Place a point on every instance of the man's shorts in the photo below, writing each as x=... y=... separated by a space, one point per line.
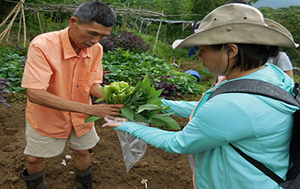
x=41 y=146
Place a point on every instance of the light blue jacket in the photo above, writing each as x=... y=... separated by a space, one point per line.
x=259 y=126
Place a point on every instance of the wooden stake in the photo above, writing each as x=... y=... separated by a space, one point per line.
x=160 y=23
x=24 y=25
x=40 y=24
x=10 y=14
x=8 y=32
x=57 y=21
x=127 y=19
x=20 y=25
x=8 y=28
x=15 y=11
x=141 y=26
x=135 y=22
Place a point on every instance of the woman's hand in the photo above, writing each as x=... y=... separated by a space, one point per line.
x=114 y=121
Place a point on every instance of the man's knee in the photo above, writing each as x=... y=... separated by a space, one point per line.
x=81 y=153
x=34 y=160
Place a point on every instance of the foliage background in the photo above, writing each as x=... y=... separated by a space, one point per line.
x=13 y=57
x=179 y=9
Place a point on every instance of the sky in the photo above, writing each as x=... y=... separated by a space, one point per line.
x=276 y=3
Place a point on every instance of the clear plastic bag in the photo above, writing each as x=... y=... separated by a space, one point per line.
x=133 y=149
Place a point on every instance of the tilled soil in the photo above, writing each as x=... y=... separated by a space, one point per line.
x=162 y=170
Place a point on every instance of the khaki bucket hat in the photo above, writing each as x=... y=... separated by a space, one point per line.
x=238 y=23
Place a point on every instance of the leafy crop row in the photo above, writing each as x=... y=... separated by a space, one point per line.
x=11 y=67
x=3 y=83
x=120 y=65
x=11 y=70
x=125 y=40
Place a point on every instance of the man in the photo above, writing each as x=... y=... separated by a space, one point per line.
x=62 y=70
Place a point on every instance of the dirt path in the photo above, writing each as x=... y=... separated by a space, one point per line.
x=162 y=170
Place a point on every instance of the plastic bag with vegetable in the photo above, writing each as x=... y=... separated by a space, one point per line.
x=133 y=149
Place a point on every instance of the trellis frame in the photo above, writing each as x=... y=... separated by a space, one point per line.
x=70 y=9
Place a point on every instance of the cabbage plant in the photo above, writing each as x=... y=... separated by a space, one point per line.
x=142 y=103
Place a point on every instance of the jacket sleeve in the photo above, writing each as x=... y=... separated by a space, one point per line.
x=182 y=108
x=213 y=125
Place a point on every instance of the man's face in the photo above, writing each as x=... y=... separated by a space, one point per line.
x=83 y=36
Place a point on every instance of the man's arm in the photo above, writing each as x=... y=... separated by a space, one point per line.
x=44 y=98
x=95 y=90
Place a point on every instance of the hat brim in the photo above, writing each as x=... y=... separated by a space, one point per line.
x=270 y=34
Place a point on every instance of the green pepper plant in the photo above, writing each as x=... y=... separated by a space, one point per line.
x=142 y=103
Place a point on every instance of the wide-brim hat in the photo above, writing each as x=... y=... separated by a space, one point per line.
x=240 y=24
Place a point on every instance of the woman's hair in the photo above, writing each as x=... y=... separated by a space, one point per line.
x=251 y=56
x=94 y=11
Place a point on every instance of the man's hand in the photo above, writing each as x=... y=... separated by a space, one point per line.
x=104 y=110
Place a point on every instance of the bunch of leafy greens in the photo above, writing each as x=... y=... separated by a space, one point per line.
x=142 y=103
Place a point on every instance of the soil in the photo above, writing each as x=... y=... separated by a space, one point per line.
x=162 y=170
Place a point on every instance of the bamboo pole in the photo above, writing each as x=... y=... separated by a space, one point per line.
x=147 y=28
x=123 y=27
x=57 y=21
x=160 y=23
x=135 y=22
x=40 y=24
x=165 y=32
x=141 y=26
x=8 y=28
x=24 y=26
x=10 y=14
x=20 y=26
x=127 y=19
x=71 y=8
x=8 y=32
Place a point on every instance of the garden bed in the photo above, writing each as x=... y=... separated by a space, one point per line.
x=162 y=170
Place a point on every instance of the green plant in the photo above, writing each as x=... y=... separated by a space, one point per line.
x=11 y=68
x=127 y=66
x=3 y=83
x=116 y=92
x=125 y=40
x=297 y=78
x=142 y=103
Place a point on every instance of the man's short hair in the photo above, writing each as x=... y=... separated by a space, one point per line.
x=94 y=11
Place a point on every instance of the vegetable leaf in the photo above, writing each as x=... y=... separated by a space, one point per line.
x=91 y=119
x=128 y=113
x=142 y=102
x=147 y=107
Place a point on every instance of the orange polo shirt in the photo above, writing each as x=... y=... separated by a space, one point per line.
x=53 y=65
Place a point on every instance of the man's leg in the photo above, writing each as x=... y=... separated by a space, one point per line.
x=35 y=164
x=39 y=147
x=34 y=175
x=82 y=159
x=82 y=162
x=82 y=169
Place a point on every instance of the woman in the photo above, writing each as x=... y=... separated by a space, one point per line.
x=283 y=62
x=235 y=41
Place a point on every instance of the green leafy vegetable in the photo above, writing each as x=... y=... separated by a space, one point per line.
x=91 y=119
x=142 y=103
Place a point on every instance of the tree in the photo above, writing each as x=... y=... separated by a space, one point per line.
x=289 y=18
x=204 y=7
